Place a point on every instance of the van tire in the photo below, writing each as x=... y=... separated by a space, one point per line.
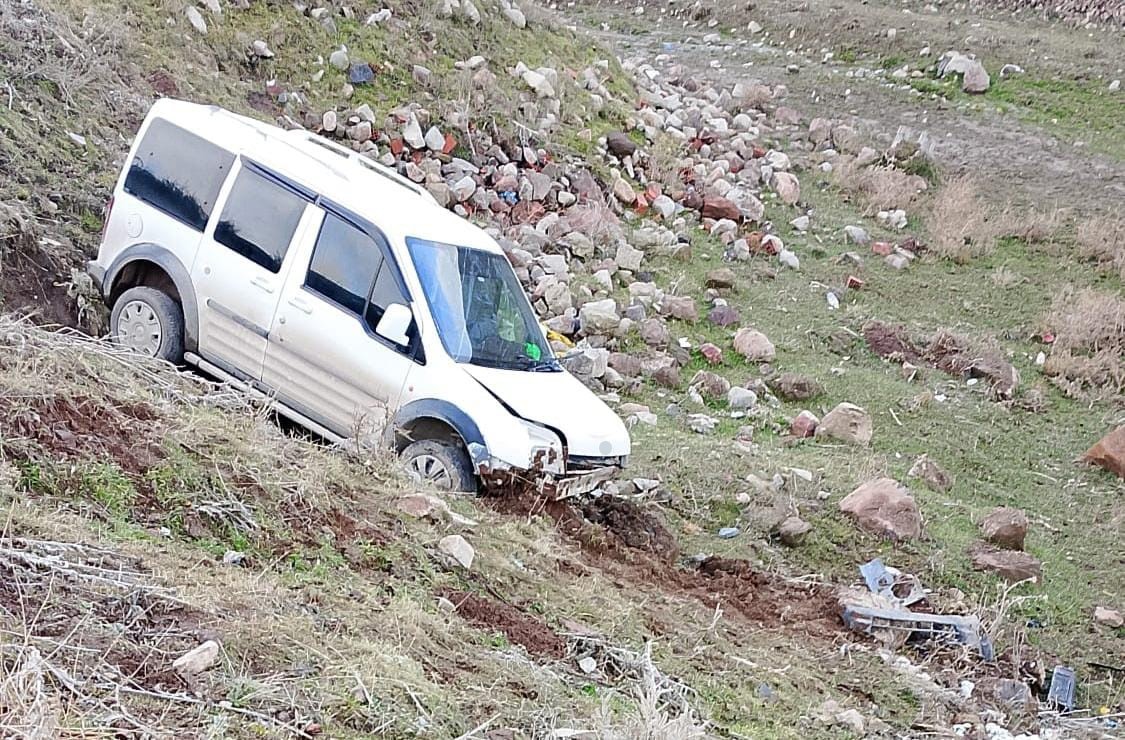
x=142 y=307
x=445 y=464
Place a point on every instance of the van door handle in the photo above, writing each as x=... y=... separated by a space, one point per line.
x=301 y=305
x=261 y=282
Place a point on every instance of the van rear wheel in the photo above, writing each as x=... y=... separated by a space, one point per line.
x=149 y=322
x=444 y=465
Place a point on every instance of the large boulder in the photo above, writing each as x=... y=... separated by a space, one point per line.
x=754 y=345
x=847 y=423
x=884 y=507
x=1109 y=452
x=1005 y=527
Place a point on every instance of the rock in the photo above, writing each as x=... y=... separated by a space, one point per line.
x=539 y=83
x=856 y=234
x=1114 y=86
x=469 y=12
x=1109 y=452
x=711 y=385
x=740 y=399
x=261 y=49
x=753 y=345
x=680 y=307
x=1005 y=527
x=628 y=366
x=796 y=387
x=932 y=474
x=628 y=257
x=1011 y=565
x=792 y=531
x=378 y=17
x=464 y=188
x=723 y=315
x=722 y=278
x=195 y=18
x=624 y=192
x=847 y=423
x=804 y=425
x=599 y=317
x=976 y=79
x=1008 y=694
x=588 y=665
x=884 y=507
x=711 y=353
x=665 y=206
x=360 y=73
x=801 y=223
x=328 y=121
x=1108 y=617
x=457 y=548
x=434 y=139
x=516 y=16
x=412 y=133
x=620 y=145
x=788 y=187
x=720 y=208
x=339 y=59
x=702 y=423
x=654 y=332
x=897 y=261
x=197 y=660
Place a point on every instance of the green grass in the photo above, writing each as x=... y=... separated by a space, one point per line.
x=1073 y=110
x=999 y=455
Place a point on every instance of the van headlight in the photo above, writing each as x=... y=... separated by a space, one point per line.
x=545 y=448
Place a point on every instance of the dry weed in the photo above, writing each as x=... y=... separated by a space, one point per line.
x=665 y=161
x=960 y=224
x=879 y=188
x=1102 y=238
x=1088 y=356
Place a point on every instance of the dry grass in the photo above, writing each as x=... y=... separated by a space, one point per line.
x=1102 y=239
x=1088 y=355
x=961 y=224
x=879 y=188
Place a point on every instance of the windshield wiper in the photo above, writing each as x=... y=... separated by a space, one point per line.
x=539 y=366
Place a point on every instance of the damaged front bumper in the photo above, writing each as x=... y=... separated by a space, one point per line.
x=547 y=475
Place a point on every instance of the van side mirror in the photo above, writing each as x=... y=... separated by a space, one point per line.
x=395 y=323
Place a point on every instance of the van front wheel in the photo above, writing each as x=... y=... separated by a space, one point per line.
x=445 y=465
x=148 y=321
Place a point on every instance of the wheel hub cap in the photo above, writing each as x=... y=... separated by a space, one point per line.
x=429 y=468
x=138 y=328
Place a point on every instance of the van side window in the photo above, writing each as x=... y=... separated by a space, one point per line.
x=383 y=293
x=178 y=172
x=259 y=219
x=344 y=263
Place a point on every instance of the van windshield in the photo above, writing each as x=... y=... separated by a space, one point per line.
x=481 y=312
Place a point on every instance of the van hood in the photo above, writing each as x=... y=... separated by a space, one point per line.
x=561 y=402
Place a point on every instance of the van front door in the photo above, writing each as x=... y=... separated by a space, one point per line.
x=324 y=358
x=240 y=267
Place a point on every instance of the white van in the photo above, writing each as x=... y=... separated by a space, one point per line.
x=294 y=267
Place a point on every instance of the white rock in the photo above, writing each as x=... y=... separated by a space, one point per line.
x=198 y=659
x=381 y=16
x=195 y=18
x=464 y=188
x=261 y=50
x=516 y=16
x=789 y=259
x=740 y=399
x=1114 y=86
x=435 y=139
x=458 y=548
x=801 y=223
x=339 y=58
x=412 y=133
x=588 y=664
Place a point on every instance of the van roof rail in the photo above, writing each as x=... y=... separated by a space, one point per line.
x=365 y=162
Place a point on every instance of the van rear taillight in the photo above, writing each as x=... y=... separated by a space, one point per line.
x=105 y=216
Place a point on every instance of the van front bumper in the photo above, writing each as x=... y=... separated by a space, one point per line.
x=499 y=477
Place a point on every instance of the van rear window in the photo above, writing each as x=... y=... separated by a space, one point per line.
x=178 y=172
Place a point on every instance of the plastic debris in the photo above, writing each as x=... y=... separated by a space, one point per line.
x=1062 y=689
x=883 y=580
x=920 y=626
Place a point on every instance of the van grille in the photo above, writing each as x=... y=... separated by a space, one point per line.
x=576 y=463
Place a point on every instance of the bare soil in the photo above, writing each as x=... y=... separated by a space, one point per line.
x=519 y=627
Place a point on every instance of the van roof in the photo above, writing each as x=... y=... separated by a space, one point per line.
x=398 y=206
